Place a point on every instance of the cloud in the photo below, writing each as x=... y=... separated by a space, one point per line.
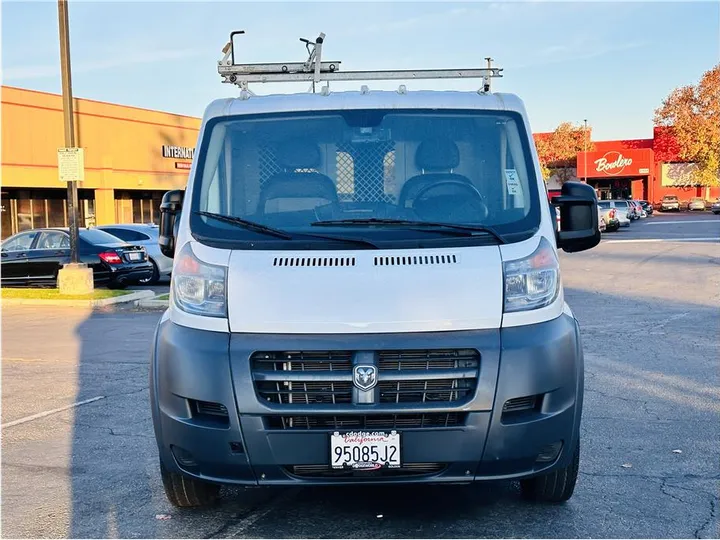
x=121 y=59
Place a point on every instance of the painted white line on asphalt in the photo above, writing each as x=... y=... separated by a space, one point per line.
x=645 y=240
x=681 y=222
x=48 y=413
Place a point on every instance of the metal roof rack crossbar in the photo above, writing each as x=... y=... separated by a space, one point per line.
x=315 y=70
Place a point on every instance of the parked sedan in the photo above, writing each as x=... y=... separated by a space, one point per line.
x=716 y=206
x=696 y=203
x=35 y=257
x=647 y=207
x=146 y=236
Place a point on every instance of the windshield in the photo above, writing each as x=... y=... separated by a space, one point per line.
x=670 y=198
x=292 y=172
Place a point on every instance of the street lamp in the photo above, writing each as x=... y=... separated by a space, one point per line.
x=585 y=148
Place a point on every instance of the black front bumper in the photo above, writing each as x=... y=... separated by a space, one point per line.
x=245 y=447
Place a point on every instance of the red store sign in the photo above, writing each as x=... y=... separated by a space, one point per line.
x=610 y=163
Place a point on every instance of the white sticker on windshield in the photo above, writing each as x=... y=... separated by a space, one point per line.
x=512 y=181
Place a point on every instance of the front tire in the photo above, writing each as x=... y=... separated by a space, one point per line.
x=186 y=492
x=554 y=487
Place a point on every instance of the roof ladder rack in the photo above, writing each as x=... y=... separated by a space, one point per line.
x=315 y=70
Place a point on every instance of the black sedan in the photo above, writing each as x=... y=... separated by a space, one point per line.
x=34 y=258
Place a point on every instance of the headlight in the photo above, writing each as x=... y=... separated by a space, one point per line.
x=532 y=282
x=198 y=287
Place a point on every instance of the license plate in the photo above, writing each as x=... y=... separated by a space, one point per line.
x=134 y=256
x=365 y=450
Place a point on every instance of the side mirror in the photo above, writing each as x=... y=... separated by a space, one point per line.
x=170 y=209
x=579 y=222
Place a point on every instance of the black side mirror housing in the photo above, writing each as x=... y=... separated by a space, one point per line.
x=579 y=226
x=170 y=209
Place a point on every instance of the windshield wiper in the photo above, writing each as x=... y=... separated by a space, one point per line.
x=250 y=225
x=463 y=230
x=258 y=227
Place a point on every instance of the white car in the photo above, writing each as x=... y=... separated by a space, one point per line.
x=621 y=210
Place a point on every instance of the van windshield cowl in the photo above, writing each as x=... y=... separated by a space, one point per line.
x=384 y=178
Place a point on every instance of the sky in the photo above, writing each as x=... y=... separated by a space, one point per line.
x=611 y=62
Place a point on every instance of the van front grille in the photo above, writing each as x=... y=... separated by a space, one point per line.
x=370 y=421
x=325 y=471
x=404 y=376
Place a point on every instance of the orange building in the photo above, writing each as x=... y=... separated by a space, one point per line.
x=132 y=157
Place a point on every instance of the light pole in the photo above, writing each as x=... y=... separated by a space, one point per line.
x=72 y=195
x=585 y=148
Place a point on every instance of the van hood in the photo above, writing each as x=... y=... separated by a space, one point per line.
x=332 y=292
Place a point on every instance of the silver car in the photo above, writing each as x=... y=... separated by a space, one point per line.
x=696 y=203
x=146 y=235
x=622 y=210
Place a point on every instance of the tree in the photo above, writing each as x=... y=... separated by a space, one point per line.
x=692 y=114
x=558 y=150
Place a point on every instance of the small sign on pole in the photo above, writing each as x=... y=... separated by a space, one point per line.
x=71 y=164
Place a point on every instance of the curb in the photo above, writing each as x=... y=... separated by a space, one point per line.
x=136 y=296
x=153 y=303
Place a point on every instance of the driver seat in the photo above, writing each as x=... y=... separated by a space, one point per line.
x=436 y=159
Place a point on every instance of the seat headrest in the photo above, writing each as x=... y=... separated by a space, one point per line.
x=437 y=155
x=298 y=154
x=311 y=186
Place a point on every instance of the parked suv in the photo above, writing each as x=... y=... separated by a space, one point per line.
x=670 y=203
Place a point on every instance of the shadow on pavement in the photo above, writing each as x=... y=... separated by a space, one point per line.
x=647 y=392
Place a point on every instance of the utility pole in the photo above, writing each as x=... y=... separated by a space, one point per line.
x=72 y=194
x=73 y=278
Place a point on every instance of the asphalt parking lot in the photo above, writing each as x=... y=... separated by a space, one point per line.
x=648 y=300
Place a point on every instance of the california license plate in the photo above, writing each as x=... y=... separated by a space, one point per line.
x=365 y=450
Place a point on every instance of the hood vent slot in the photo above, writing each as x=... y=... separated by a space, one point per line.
x=416 y=260
x=314 y=261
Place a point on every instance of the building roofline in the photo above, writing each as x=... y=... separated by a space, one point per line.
x=144 y=109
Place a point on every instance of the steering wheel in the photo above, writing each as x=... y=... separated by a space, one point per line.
x=475 y=205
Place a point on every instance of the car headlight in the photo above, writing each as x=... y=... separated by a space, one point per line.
x=198 y=287
x=532 y=282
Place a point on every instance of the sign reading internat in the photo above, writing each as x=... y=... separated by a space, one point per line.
x=71 y=164
x=177 y=152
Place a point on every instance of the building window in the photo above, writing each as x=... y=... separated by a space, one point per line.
x=39 y=214
x=56 y=212
x=24 y=215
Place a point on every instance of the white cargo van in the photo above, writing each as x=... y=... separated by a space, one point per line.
x=366 y=289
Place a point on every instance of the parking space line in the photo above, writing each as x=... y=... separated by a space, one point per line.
x=681 y=222
x=48 y=413
x=647 y=240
